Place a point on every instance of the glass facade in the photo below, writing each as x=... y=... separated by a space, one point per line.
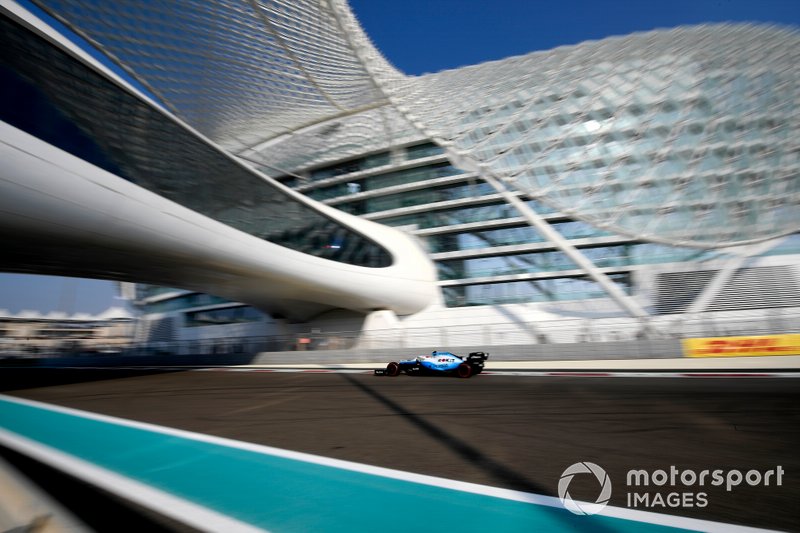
x=450 y=242
x=536 y=262
x=184 y=301
x=434 y=194
x=382 y=181
x=354 y=165
x=489 y=211
x=422 y=150
x=621 y=255
x=544 y=290
x=477 y=264
x=228 y=315
x=495 y=259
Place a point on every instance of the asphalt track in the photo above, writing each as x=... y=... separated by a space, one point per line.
x=512 y=432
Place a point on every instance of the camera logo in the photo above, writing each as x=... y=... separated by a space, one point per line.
x=584 y=508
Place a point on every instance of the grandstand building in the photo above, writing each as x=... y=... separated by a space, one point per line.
x=29 y=334
x=646 y=185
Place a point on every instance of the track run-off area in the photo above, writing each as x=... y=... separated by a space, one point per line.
x=349 y=451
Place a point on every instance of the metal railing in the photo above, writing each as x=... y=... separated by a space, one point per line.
x=576 y=331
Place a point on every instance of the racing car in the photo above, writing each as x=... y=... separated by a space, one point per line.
x=445 y=363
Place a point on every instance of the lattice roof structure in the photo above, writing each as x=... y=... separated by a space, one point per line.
x=686 y=136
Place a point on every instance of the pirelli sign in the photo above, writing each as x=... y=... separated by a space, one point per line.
x=742 y=346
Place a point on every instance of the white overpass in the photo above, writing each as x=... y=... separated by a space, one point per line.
x=62 y=215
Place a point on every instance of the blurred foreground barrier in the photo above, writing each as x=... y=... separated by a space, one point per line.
x=742 y=346
x=24 y=507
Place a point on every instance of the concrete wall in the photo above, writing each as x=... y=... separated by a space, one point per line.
x=654 y=349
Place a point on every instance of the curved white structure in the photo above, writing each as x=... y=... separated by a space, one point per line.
x=245 y=236
x=64 y=216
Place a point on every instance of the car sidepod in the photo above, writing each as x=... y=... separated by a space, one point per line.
x=439 y=363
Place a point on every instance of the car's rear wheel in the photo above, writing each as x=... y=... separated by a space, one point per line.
x=392 y=369
x=464 y=370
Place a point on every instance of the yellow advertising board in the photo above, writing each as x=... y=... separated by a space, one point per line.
x=742 y=346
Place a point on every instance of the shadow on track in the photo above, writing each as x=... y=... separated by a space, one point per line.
x=504 y=475
x=14 y=379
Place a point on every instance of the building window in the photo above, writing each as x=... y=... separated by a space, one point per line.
x=227 y=315
x=423 y=150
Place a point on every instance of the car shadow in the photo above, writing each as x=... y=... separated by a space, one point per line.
x=502 y=474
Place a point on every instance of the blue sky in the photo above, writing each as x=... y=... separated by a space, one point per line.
x=20 y=292
x=420 y=36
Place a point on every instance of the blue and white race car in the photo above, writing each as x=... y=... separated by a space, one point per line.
x=438 y=363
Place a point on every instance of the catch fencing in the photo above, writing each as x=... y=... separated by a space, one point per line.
x=566 y=339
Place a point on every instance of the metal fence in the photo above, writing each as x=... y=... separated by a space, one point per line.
x=556 y=332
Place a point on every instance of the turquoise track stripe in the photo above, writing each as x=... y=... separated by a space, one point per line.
x=284 y=494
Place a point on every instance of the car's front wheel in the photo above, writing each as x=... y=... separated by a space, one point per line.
x=392 y=369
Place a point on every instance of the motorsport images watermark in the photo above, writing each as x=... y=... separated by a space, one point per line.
x=684 y=482
x=584 y=507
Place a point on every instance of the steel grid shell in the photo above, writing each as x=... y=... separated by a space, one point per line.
x=686 y=136
x=240 y=72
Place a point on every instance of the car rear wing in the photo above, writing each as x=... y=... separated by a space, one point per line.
x=475 y=357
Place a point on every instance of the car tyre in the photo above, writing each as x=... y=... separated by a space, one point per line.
x=392 y=369
x=464 y=370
